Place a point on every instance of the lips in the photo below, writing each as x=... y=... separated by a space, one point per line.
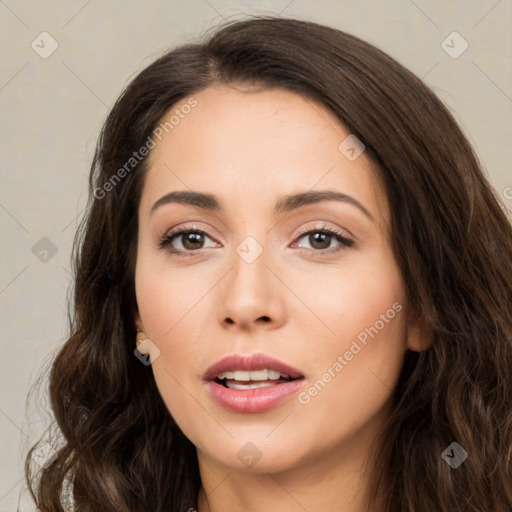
x=251 y=384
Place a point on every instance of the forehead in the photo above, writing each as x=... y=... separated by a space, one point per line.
x=250 y=146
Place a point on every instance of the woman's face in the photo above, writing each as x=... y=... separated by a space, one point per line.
x=255 y=279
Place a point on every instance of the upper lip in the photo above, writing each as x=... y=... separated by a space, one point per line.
x=250 y=363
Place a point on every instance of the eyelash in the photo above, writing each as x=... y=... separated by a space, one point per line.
x=165 y=242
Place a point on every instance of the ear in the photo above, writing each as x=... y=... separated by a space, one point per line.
x=141 y=338
x=419 y=338
x=137 y=321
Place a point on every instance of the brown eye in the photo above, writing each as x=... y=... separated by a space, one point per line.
x=192 y=240
x=320 y=240
x=184 y=240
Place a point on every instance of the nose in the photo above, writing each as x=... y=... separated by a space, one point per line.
x=251 y=295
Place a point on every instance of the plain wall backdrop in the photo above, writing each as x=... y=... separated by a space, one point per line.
x=64 y=63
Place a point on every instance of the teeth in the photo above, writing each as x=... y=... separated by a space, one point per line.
x=259 y=375
x=249 y=386
x=242 y=376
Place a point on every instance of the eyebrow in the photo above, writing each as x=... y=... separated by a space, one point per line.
x=284 y=205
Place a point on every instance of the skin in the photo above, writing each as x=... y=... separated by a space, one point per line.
x=251 y=147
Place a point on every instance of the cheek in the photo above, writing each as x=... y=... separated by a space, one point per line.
x=167 y=298
x=363 y=343
x=364 y=301
x=170 y=304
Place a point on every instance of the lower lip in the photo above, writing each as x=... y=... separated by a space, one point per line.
x=252 y=401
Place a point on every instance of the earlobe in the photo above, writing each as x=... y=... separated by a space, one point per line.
x=141 y=342
x=418 y=339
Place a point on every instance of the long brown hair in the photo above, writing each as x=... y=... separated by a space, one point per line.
x=451 y=238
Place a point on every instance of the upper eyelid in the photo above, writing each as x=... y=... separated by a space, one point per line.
x=334 y=232
x=304 y=231
x=301 y=232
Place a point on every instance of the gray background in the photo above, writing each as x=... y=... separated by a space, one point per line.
x=52 y=110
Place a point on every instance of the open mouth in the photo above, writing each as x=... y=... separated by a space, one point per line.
x=252 y=384
x=238 y=379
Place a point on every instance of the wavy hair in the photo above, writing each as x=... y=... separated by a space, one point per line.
x=451 y=238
